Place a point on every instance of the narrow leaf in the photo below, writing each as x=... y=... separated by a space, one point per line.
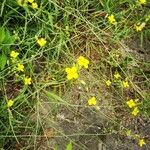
x=69 y=146
x=3 y=61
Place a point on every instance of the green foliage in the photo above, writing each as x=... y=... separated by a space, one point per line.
x=6 y=40
x=71 y=28
x=2 y=34
x=69 y=146
x=3 y=60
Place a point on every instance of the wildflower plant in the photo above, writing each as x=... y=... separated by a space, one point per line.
x=72 y=73
x=51 y=91
x=134 y=106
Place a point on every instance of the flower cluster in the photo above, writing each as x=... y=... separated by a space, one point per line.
x=137 y=26
x=31 y=3
x=72 y=73
x=117 y=78
x=133 y=104
x=141 y=25
x=20 y=67
x=137 y=137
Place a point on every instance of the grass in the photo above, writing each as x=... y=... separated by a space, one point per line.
x=53 y=112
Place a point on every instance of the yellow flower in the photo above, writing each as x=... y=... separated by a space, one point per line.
x=83 y=62
x=135 y=111
x=112 y=20
x=125 y=84
x=131 y=103
x=128 y=132
x=72 y=73
x=139 y=27
x=10 y=103
x=92 y=101
x=14 y=54
x=142 y=2
x=35 y=6
x=30 y=1
x=108 y=82
x=41 y=41
x=142 y=142
x=27 y=81
x=20 y=67
x=117 y=75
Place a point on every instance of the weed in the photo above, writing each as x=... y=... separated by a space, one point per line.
x=70 y=78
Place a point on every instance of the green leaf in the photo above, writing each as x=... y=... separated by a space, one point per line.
x=69 y=146
x=50 y=17
x=54 y=97
x=8 y=41
x=128 y=60
x=3 y=61
x=2 y=34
